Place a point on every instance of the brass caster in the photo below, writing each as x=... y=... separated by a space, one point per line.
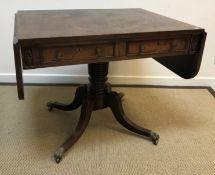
x=154 y=137
x=50 y=106
x=59 y=154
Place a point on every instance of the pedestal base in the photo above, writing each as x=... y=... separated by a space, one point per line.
x=94 y=96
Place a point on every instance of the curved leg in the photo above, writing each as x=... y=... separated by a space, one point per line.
x=79 y=94
x=86 y=110
x=114 y=102
x=109 y=89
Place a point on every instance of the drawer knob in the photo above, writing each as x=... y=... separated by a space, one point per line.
x=98 y=51
x=59 y=55
x=174 y=44
x=142 y=48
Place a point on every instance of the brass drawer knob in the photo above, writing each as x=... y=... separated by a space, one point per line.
x=98 y=51
x=59 y=55
x=174 y=44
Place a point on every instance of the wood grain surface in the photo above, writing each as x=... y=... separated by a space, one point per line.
x=72 y=23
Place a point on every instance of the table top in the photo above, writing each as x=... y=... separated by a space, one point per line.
x=46 y=38
x=34 y=24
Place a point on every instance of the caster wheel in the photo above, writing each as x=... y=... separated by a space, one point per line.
x=59 y=154
x=50 y=106
x=155 y=138
x=57 y=158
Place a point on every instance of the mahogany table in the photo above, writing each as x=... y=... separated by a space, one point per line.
x=46 y=38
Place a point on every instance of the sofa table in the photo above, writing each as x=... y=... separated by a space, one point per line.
x=47 y=38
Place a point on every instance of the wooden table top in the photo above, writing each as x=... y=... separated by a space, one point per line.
x=94 y=22
x=46 y=38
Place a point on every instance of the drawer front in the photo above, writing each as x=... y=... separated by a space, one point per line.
x=47 y=55
x=75 y=53
x=157 y=46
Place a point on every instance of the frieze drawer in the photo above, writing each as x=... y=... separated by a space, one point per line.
x=157 y=46
x=75 y=52
x=44 y=55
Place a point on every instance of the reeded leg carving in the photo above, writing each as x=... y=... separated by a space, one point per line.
x=86 y=110
x=79 y=94
x=113 y=100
